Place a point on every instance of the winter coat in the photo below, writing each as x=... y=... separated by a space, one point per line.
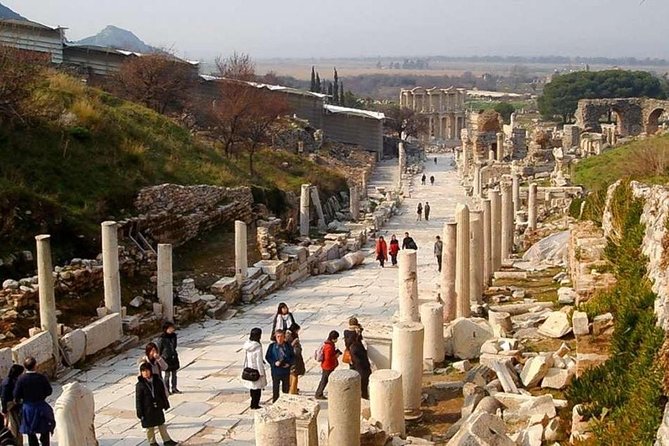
x=283 y=353
x=408 y=243
x=381 y=250
x=427 y=210
x=394 y=247
x=419 y=209
x=158 y=367
x=359 y=359
x=167 y=346
x=298 y=368
x=282 y=322
x=253 y=359
x=7 y=393
x=330 y=361
x=150 y=401
x=438 y=248
x=353 y=333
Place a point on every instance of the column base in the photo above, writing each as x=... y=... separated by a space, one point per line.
x=413 y=415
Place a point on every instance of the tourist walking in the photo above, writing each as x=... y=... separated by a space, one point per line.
x=360 y=363
x=381 y=250
x=327 y=355
x=150 y=403
x=11 y=410
x=427 y=211
x=298 y=368
x=31 y=390
x=157 y=363
x=419 y=211
x=422 y=180
x=253 y=372
x=432 y=180
x=280 y=358
x=438 y=250
x=435 y=160
x=393 y=249
x=408 y=242
x=167 y=347
x=283 y=319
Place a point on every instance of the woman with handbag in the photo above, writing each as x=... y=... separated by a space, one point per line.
x=253 y=373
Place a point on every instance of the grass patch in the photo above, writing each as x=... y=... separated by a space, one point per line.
x=624 y=394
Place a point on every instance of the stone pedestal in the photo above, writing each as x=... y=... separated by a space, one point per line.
x=344 y=408
x=407 y=358
x=241 y=257
x=476 y=257
x=112 y=278
x=354 y=200
x=386 y=401
x=47 y=299
x=315 y=197
x=432 y=318
x=304 y=210
x=515 y=193
x=500 y=146
x=408 y=285
x=496 y=229
x=462 y=261
x=448 y=271
x=164 y=286
x=532 y=207
x=491 y=155
x=487 y=243
x=507 y=220
x=274 y=426
x=305 y=410
x=477 y=179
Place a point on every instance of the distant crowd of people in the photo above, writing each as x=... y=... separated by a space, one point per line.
x=382 y=249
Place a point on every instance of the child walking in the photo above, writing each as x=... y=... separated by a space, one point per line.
x=150 y=403
x=168 y=351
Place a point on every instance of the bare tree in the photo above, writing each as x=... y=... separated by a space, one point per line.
x=266 y=108
x=239 y=66
x=156 y=80
x=402 y=120
x=19 y=73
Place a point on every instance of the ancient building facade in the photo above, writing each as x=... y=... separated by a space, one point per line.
x=444 y=108
x=633 y=116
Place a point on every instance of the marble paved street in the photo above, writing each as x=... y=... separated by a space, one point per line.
x=213 y=408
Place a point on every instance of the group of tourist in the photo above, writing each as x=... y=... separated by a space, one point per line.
x=382 y=249
x=285 y=358
x=424 y=179
x=420 y=209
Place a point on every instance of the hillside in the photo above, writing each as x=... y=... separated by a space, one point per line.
x=118 y=38
x=87 y=153
x=6 y=13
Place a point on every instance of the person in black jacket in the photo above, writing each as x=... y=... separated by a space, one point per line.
x=151 y=402
x=408 y=242
x=11 y=410
x=168 y=351
x=31 y=390
x=360 y=363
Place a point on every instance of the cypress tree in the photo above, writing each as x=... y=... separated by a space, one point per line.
x=319 y=87
x=313 y=79
x=342 y=96
x=330 y=89
x=335 y=88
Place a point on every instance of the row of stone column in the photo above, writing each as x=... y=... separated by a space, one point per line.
x=309 y=194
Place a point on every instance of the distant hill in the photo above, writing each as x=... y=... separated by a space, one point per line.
x=6 y=13
x=118 y=38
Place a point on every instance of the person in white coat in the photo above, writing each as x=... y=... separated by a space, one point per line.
x=254 y=359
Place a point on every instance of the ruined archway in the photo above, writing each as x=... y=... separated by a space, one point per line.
x=653 y=121
x=633 y=115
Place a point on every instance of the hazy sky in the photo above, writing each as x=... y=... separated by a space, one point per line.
x=317 y=28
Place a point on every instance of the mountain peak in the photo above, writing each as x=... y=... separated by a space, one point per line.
x=119 y=38
x=6 y=13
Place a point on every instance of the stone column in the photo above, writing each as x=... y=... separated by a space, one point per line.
x=385 y=401
x=500 y=146
x=477 y=179
x=487 y=243
x=408 y=285
x=448 y=271
x=507 y=219
x=462 y=261
x=304 y=210
x=354 y=200
x=315 y=197
x=47 y=299
x=164 y=287
x=274 y=426
x=515 y=192
x=432 y=318
x=532 y=207
x=364 y=185
x=344 y=408
x=241 y=258
x=476 y=257
x=407 y=358
x=112 y=277
x=465 y=159
x=496 y=229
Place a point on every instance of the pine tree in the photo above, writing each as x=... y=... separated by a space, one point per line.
x=335 y=88
x=319 y=87
x=313 y=79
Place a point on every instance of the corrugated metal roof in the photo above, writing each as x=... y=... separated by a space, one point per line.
x=29 y=24
x=355 y=112
x=210 y=78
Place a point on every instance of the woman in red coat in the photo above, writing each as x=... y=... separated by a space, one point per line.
x=394 y=249
x=328 y=360
x=381 y=250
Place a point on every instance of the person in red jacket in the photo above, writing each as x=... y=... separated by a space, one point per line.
x=394 y=249
x=381 y=251
x=329 y=363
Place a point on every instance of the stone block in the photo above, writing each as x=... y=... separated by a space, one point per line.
x=531 y=436
x=39 y=347
x=102 y=333
x=602 y=324
x=224 y=285
x=462 y=366
x=556 y=326
x=481 y=429
x=505 y=375
x=305 y=410
x=130 y=323
x=537 y=408
x=74 y=345
x=566 y=296
x=557 y=379
x=6 y=360
x=580 y=323
x=534 y=371
x=466 y=337
x=217 y=310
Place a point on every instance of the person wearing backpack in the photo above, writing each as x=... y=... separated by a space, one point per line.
x=167 y=347
x=327 y=355
x=280 y=357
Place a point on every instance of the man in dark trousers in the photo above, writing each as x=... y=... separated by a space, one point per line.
x=280 y=357
x=426 y=209
x=438 y=250
x=408 y=242
x=32 y=389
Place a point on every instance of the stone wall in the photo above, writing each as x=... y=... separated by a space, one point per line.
x=587 y=265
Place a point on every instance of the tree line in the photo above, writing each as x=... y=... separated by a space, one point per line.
x=334 y=89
